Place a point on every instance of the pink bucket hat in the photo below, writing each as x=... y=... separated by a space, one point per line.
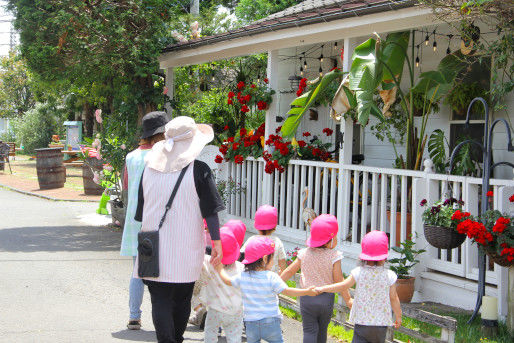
x=375 y=246
x=238 y=229
x=266 y=218
x=258 y=247
x=229 y=246
x=323 y=229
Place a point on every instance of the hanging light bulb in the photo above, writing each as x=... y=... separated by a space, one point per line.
x=434 y=46
x=258 y=78
x=321 y=58
x=305 y=64
x=417 y=61
x=426 y=40
x=335 y=46
x=301 y=71
x=320 y=71
x=448 y=51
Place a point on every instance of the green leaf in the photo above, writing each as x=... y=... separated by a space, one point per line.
x=352 y=100
x=394 y=53
x=437 y=148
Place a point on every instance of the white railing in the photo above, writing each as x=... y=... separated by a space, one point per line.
x=376 y=199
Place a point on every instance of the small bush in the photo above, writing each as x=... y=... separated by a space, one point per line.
x=35 y=129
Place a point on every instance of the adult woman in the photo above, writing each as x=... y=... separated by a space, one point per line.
x=181 y=237
x=153 y=132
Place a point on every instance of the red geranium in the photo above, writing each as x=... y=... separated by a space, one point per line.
x=229 y=102
x=328 y=131
x=218 y=159
x=266 y=80
x=242 y=132
x=235 y=146
x=238 y=159
x=240 y=85
x=277 y=130
x=261 y=105
x=252 y=86
x=230 y=139
x=225 y=128
x=231 y=94
x=302 y=144
x=306 y=134
x=490 y=194
x=223 y=149
x=299 y=92
x=245 y=109
x=511 y=199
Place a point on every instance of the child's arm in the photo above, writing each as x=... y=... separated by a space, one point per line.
x=291 y=270
x=395 y=304
x=337 y=274
x=337 y=287
x=282 y=264
x=298 y=292
x=223 y=275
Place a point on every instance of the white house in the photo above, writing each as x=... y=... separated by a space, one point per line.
x=361 y=195
x=4 y=125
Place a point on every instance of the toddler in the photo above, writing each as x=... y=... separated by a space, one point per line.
x=199 y=311
x=238 y=228
x=260 y=288
x=320 y=265
x=266 y=220
x=223 y=302
x=375 y=293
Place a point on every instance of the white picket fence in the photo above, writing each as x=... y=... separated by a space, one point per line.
x=366 y=198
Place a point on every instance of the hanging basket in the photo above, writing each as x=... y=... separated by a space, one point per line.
x=500 y=260
x=443 y=237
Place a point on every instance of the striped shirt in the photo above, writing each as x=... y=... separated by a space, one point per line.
x=260 y=291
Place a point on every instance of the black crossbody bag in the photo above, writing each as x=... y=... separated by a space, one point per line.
x=148 y=241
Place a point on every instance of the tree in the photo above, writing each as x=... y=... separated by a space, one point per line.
x=251 y=10
x=16 y=87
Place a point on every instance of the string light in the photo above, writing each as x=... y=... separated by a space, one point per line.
x=320 y=71
x=448 y=51
x=426 y=40
x=321 y=56
x=335 y=46
x=435 y=46
x=417 y=56
x=258 y=78
x=305 y=64
x=301 y=70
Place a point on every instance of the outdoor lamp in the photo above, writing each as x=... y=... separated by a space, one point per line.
x=294 y=81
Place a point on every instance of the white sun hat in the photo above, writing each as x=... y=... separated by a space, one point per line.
x=184 y=141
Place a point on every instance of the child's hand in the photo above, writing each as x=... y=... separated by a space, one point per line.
x=350 y=303
x=311 y=291
x=218 y=267
x=398 y=323
x=319 y=290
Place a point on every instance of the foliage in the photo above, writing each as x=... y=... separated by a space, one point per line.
x=16 y=87
x=407 y=260
x=419 y=102
x=245 y=144
x=447 y=213
x=228 y=187
x=250 y=10
x=461 y=95
x=464 y=163
x=35 y=129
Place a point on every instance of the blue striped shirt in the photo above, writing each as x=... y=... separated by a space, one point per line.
x=260 y=291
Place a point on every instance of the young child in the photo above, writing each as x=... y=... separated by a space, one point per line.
x=260 y=288
x=199 y=311
x=238 y=228
x=224 y=303
x=320 y=264
x=266 y=220
x=375 y=293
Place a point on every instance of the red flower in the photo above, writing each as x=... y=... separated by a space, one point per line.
x=223 y=149
x=245 y=109
x=299 y=92
x=218 y=159
x=261 y=105
x=423 y=202
x=498 y=228
x=457 y=215
x=225 y=128
x=229 y=102
x=284 y=150
x=231 y=94
x=511 y=199
x=303 y=82
x=265 y=80
x=238 y=95
x=238 y=159
x=252 y=86
x=328 y=131
x=230 y=139
x=316 y=151
x=269 y=167
x=302 y=144
x=490 y=193
x=242 y=132
x=248 y=143
x=306 y=134
x=335 y=68
x=235 y=146
x=240 y=85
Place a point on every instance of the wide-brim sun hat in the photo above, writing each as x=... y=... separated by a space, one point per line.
x=266 y=218
x=184 y=141
x=154 y=123
x=229 y=246
x=323 y=229
x=258 y=247
x=238 y=229
x=375 y=246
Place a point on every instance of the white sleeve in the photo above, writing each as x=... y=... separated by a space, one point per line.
x=281 y=253
x=338 y=257
x=391 y=277
x=355 y=273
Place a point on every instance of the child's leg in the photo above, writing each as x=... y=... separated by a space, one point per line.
x=369 y=334
x=212 y=324
x=316 y=314
x=270 y=330
x=233 y=327
x=253 y=331
x=326 y=312
x=136 y=289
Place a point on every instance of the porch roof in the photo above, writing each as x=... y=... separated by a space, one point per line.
x=298 y=22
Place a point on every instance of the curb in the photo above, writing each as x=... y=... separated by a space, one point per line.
x=43 y=196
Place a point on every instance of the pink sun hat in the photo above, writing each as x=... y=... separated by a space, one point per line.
x=323 y=229
x=258 y=247
x=375 y=246
x=238 y=229
x=266 y=218
x=229 y=246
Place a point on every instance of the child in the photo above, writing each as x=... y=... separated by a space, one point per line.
x=375 y=293
x=260 y=288
x=199 y=311
x=266 y=220
x=224 y=303
x=238 y=228
x=320 y=264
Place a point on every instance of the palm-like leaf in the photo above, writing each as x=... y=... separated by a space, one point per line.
x=437 y=149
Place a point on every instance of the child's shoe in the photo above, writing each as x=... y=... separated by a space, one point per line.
x=134 y=324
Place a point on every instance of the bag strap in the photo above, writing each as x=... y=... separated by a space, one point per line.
x=172 y=196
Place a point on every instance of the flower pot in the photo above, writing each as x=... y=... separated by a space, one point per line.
x=118 y=211
x=398 y=230
x=90 y=187
x=443 y=237
x=405 y=289
x=500 y=260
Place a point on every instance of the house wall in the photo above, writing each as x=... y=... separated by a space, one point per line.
x=4 y=125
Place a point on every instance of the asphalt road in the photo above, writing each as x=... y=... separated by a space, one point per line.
x=62 y=278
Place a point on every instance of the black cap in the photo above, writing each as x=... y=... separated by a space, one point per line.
x=153 y=123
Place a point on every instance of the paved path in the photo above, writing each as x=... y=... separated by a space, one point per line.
x=62 y=279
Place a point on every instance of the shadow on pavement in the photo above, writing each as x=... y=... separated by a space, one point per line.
x=135 y=335
x=59 y=238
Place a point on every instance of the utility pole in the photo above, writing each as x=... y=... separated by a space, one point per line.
x=195 y=7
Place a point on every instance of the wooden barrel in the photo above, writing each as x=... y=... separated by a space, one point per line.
x=51 y=172
x=90 y=187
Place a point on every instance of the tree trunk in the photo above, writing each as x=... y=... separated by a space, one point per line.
x=89 y=117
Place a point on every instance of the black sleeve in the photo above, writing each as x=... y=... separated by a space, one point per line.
x=210 y=200
x=213 y=224
x=140 y=201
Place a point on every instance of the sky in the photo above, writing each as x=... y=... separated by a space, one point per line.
x=5 y=28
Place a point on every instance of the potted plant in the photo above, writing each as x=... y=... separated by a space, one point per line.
x=461 y=95
x=440 y=223
x=402 y=267
x=493 y=232
x=91 y=168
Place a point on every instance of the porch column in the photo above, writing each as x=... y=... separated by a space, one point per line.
x=272 y=75
x=345 y=157
x=170 y=84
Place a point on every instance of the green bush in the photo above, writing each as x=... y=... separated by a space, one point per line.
x=35 y=129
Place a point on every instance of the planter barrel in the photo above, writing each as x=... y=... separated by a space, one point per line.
x=405 y=289
x=90 y=187
x=443 y=237
x=51 y=172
